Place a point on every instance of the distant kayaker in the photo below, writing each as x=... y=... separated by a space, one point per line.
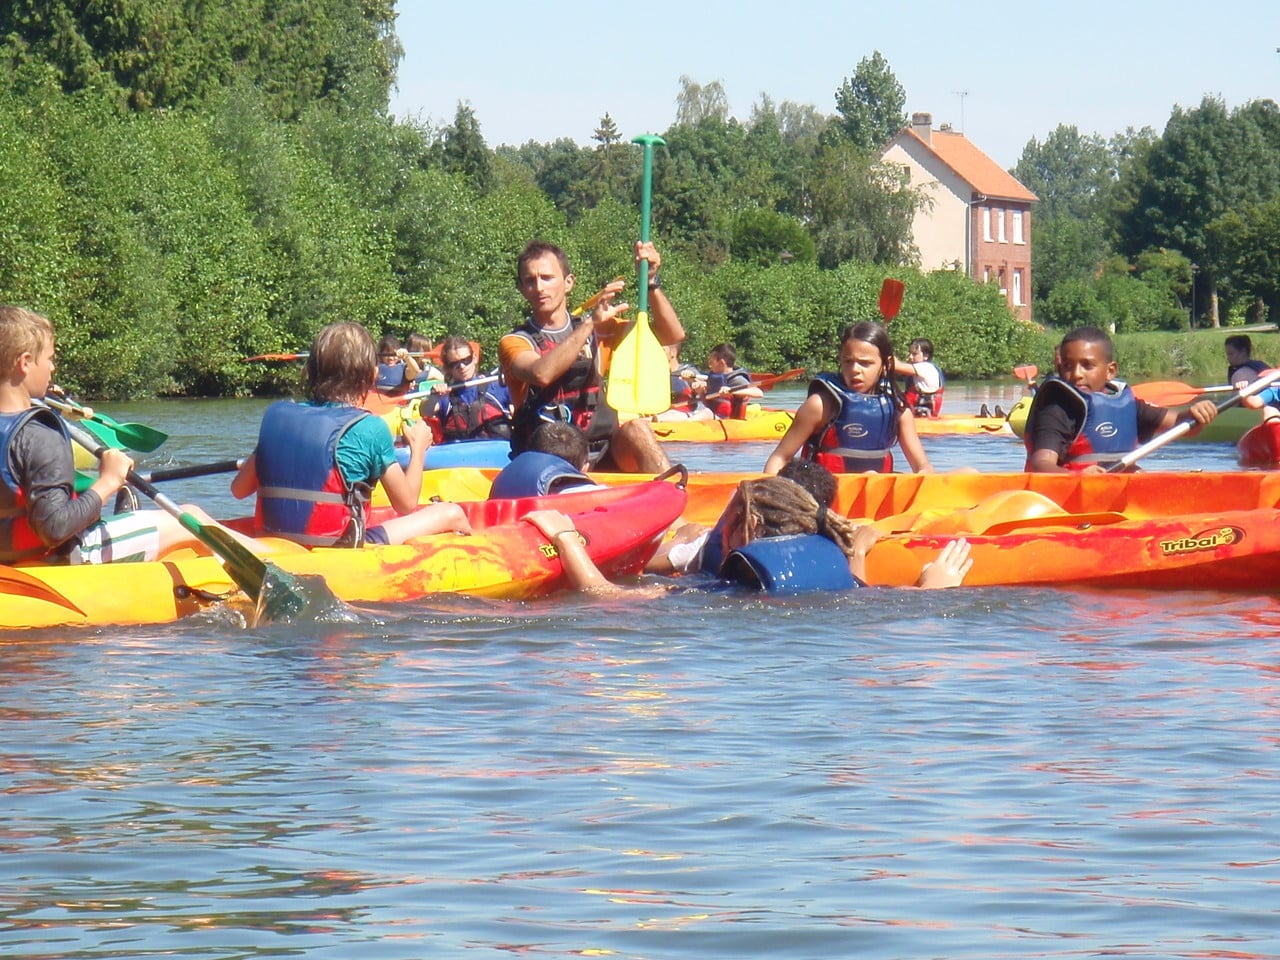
x=852 y=420
x=728 y=387
x=923 y=386
x=553 y=362
x=458 y=412
x=1241 y=367
x=1083 y=418
x=41 y=515
x=397 y=367
x=317 y=461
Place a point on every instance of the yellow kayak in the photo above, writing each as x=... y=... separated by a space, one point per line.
x=761 y=425
x=503 y=558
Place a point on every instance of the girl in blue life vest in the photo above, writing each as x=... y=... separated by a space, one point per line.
x=851 y=420
x=316 y=462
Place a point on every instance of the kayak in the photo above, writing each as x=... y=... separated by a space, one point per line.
x=949 y=424
x=1150 y=530
x=504 y=558
x=1260 y=446
x=758 y=426
x=461 y=453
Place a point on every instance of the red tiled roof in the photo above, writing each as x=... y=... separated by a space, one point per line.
x=972 y=165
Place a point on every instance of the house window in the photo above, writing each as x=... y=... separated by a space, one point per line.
x=986 y=274
x=1000 y=225
x=1017 y=227
x=986 y=223
x=1017 y=288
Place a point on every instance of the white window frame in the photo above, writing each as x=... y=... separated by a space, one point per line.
x=1017 y=227
x=1017 y=288
x=1000 y=237
x=986 y=224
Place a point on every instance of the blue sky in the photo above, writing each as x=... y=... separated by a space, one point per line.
x=540 y=72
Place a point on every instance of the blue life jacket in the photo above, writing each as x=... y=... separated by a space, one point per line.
x=301 y=492
x=861 y=437
x=713 y=550
x=793 y=564
x=534 y=474
x=1110 y=421
x=391 y=377
x=15 y=530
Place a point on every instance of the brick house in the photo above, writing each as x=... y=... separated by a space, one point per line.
x=979 y=217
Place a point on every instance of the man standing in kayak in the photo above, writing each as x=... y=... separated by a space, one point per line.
x=553 y=362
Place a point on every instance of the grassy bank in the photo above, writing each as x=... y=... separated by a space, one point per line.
x=1195 y=357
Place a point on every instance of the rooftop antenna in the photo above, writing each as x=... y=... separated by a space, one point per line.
x=964 y=93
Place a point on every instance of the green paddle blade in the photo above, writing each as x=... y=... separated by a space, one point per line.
x=639 y=373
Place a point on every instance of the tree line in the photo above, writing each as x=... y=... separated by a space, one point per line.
x=180 y=189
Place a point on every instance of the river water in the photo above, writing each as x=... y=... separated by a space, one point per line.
x=975 y=773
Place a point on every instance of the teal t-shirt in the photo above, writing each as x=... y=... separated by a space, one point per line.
x=365 y=451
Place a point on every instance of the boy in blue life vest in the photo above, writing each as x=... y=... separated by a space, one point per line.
x=41 y=516
x=1083 y=419
x=317 y=462
x=728 y=387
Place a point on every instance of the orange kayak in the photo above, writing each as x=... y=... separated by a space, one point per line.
x=1154 y=530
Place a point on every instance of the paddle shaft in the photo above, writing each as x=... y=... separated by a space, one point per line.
x=193 y=470
x=477 y=382
x=1186 y=426
x=646 y=206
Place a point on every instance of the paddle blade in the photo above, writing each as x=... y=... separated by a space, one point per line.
x=639 y=373
x=766 y=380
x=290 y=597
x=1167 y=393
x=1026 y=372
x=137 y=436
x=891 y=292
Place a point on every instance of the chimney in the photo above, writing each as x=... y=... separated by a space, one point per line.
x=922 y=124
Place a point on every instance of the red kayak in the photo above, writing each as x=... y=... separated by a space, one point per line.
x=1260 y=446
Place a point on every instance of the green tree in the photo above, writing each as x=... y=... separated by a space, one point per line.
x=860 y=209
x=465 y=152
x=871 y=105
x=697 y=102
x=1248 y=241
x=1208 y=162
x=765 y=237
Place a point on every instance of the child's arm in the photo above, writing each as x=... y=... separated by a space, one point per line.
x=811 y=415
x=44 y=468
x=404 y=484
x=245 y=481
x=909 y=441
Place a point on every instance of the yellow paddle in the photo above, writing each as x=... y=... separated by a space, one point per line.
x=639 y=374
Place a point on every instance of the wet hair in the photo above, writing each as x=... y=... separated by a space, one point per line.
x=565 y=440
x=540 y=248
x=873 y=333
x=21 y=331
x=342 y=365
x=776 y=507
x=1241 y=342
x=726 y=352
x=1089 y=335
x=924 y=345
x=813 y=477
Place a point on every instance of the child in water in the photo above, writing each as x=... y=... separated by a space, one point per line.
x=852 y=420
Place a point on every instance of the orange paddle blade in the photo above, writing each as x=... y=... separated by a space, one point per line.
x=1026 y=372
x=766 y=380
x=1171 y=393
x=891 y=292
